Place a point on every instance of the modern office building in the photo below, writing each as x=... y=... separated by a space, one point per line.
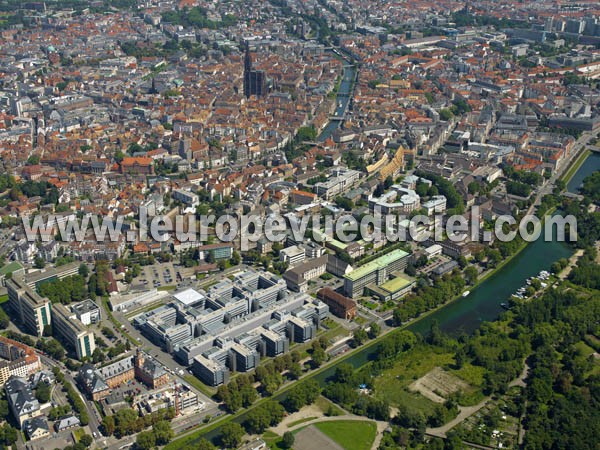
x=193 y=314
x=377 y=272
x=33 y=280
x=31 y=310
x=71 y=332
x=293 y=255
x=396 y=288
x=301 y=330
x=275 y=344
x=87 y=312
x=398 y=200
x=210 y=372
x=220 y=250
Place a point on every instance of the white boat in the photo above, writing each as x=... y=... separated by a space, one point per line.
x=466 y=293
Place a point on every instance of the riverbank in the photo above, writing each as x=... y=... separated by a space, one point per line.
x=575 y=166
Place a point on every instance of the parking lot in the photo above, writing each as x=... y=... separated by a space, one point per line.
x=158 y=275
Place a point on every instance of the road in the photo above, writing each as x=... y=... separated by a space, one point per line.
x=93 y=414
x=548 y=186
x=179 y=425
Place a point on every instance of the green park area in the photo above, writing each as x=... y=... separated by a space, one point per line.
x=424 y=368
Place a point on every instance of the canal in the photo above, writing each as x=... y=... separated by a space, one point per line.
x=590 y=165
x=342 y=100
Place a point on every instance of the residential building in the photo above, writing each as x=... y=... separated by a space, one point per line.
x=21 y=401
x=36 y=428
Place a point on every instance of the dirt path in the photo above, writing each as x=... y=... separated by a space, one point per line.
x=464 y=413
x=572 y=262
x=306 y=412
x=467 y=411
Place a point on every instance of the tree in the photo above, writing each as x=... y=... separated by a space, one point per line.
x=86 y=440
x=235 y=259
x=162 y=432
x=8 y=435
x=145 y=440
x=445 y=114
x=39 y=262
x=288 y=439
x=295 y=370
x=231 y=435
x=374 y=330
x=42 y=392
x=318 y=356
x=204 y=444
x=108 y=423
x=471 y=274
x=359 y=337
x=83 y=270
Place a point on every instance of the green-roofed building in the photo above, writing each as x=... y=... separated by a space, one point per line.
x=15 y=268
x=375 y=272
x=393 y=289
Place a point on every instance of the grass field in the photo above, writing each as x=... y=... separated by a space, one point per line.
x=206 y=390
x=471 y=374
x=3 y=298
x=352 y=435
x=392 y=385
x=328 y=407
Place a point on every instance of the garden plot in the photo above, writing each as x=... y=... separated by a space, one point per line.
x=437 y=385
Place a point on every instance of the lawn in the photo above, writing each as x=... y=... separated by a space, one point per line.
x=3 y=298
x=206 y=390
x=471 y=374
x=273 y=440
x=328 y=408
x=350 y=434
x=78 y=433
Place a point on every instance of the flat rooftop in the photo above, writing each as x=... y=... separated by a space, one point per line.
x=10 y=268
x=379 y=263
x=396 y=284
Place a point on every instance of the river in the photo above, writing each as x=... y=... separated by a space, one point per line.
x=342 y=100
x=590 y=165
